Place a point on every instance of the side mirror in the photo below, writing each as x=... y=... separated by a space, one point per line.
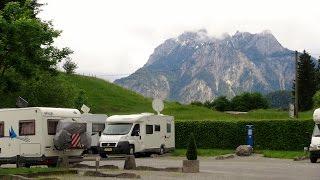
x=100 y=133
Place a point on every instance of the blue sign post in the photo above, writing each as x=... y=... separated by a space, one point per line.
x=250 y=135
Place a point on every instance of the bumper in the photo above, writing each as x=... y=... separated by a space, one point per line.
x=122 y=147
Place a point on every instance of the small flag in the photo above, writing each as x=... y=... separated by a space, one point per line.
x=12 y=134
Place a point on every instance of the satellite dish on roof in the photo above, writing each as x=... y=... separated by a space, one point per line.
x=21 y=103
x=85 y=109
x=157 y=105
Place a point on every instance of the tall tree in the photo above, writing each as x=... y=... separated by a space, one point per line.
x=318 y=75
x=26 y=43
x=69 y=66
x=306 y=81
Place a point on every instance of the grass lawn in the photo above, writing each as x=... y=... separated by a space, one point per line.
x=282 y=154
x=204 y=152
x=7 y=171
x=192 y=112
x=265 y=153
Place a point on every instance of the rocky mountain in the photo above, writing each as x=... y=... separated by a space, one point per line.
x=198 y=67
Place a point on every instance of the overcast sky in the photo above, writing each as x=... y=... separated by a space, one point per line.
x=116 y=37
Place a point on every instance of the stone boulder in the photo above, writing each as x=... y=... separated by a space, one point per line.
x=244 y=150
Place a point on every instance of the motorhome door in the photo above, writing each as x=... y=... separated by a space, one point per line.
x=136 y=137
x=30 y=141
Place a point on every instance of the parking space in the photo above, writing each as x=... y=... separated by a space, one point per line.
x=252 y=167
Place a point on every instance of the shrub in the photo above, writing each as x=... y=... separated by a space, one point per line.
x=249 y=101
x=268 y=134
x=208 y=104
x=316 y=99
x=192 y=148
x=196 y=103
x=222 y=104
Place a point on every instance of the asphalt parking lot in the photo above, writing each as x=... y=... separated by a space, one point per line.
x=253 y=167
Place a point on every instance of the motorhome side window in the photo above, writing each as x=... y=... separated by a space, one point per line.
x=52 y=126
x=1 y=129
x=168 y=127
x=149 y=129
x=96 y=127
x=157 y=128
x=27 y=127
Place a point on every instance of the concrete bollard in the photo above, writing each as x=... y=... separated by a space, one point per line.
x=130 y=162
x=190 y=166
x=63 y=162
x=97 y=163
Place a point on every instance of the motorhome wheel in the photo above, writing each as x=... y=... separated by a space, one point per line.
x=103 y=155
x=313 y=159
x=161 y=151
x=53 y=165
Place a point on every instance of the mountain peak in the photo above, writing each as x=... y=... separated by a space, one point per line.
x=200 y=35
x=197 y=67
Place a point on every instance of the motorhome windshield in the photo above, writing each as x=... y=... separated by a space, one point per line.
x=117 y=129
x=316 y=131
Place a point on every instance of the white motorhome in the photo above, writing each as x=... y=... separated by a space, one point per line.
x=314 y=148
x=96 y=123
x=138 y=133
x=26 y=135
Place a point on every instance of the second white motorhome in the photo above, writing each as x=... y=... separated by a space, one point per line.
x=96 y=123
x=27 y=135
x=145 y=133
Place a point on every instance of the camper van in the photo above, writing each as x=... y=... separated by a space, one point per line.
x=314 y=148
x=26 y=135
x=145 y=133
x=95 y=125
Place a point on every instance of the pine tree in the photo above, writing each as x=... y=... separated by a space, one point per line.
x=192 y=149
x=307 y=81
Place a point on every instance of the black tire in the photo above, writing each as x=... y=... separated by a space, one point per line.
x=103 y=155
x=131 y=150
x=53 y=165
x=147 y=154
x=313 y=159
x=95 y=151
x=161 y=150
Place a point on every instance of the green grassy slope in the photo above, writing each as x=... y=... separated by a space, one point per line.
x=105 y=97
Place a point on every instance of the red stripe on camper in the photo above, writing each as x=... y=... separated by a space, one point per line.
x=75 y=140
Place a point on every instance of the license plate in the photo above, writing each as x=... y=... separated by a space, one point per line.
x=108 y=149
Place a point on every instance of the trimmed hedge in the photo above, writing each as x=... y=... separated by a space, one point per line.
x=268 y=134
